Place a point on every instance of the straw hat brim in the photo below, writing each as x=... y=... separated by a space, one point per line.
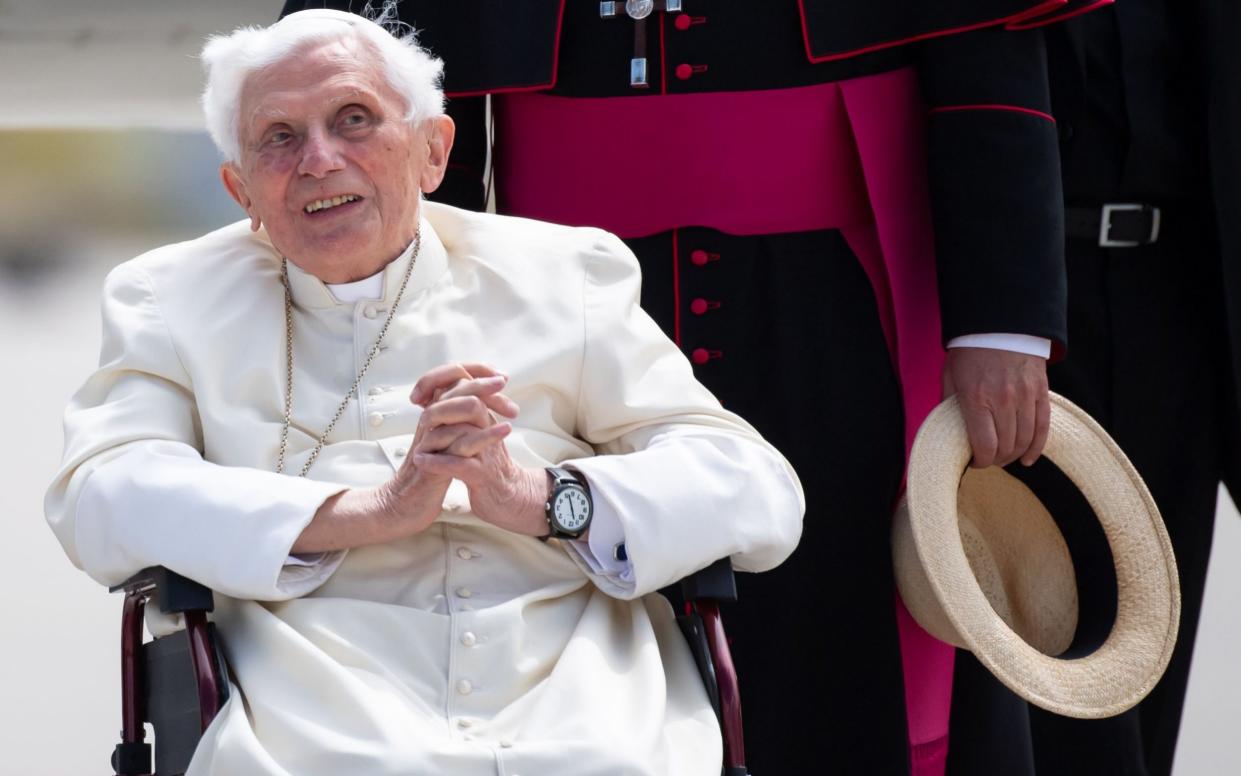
x=1133 y=657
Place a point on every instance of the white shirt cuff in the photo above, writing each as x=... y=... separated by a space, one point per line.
x=1015 y=343
x=599 y=551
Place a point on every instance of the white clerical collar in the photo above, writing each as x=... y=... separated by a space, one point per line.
x=365 y=289
x=312 y=293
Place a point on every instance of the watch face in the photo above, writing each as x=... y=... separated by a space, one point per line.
x=571 y=509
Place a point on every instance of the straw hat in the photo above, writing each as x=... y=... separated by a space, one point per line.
x=980 y=563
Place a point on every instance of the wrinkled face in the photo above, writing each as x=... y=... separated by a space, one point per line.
x=328 y=163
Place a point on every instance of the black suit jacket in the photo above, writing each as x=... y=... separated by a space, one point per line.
x=1218 y=22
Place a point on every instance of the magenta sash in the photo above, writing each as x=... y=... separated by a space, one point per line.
x=764 y=162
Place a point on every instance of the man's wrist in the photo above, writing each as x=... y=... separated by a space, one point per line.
x=539 y=490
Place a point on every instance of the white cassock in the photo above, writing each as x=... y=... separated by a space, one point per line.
x=465 y=649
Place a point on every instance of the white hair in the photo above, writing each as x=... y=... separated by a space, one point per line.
x=231 y=59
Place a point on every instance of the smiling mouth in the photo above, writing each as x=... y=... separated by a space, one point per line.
x=327 y=204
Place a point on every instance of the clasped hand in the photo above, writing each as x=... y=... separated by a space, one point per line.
x=465 y=419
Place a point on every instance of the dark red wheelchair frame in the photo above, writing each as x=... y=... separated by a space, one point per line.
x=179 y=682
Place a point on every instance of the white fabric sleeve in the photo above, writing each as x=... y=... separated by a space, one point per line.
x=1015 y=343
x=688 y=481
x=134 y=491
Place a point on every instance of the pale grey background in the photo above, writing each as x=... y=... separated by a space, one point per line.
x=81 y=195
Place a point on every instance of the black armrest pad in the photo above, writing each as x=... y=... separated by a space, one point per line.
x=714 y=583
x=175 y=593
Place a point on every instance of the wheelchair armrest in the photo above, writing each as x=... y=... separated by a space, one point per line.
x=704 y=630
x=714 y=583
x=177 y=594
x=178 y=682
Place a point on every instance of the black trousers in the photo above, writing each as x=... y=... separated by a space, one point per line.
x=1148 y=358
x=792 y=343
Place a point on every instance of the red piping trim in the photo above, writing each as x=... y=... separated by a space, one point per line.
x=1045 y=7
x=526 y=87
x=1010 y=108
x=1021 y=24
x=663 y=57
x=1035 y=12
x=676 y=288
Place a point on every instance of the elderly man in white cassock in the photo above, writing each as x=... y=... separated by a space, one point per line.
x=435 y=463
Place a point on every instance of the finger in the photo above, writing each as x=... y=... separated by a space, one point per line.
x=1026 y=416
x=1005 y=433
x=442 y=437
x=462 y=439
x=443 y=465
x=474 y=442
x=980 y=427
x=442 y=378
x=1042 y=427
x=463 y=409
x=487 y=389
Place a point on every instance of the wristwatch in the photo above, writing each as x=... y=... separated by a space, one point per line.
x=569 y=507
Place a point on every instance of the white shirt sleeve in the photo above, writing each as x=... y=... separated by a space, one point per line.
x=599 y=551
x=1015 y=343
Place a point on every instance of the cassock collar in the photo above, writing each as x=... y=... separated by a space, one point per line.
x=311 y=293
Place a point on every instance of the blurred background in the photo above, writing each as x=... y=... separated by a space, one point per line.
x=102 y=157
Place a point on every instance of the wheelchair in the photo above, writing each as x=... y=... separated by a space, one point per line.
x=178 y=683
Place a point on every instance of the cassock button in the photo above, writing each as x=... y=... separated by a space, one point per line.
x=682 y=22
x=401 y=452
x=464 y=553
x=700 y=356
x=469 y=639
x=506 y=743
x=376 y=419
x=464 y=687
x=699 y=258
x=464 y=724
x=370 y=311
x=698 y=306
x=375 y=391
x=465 y=592
x=684 y=71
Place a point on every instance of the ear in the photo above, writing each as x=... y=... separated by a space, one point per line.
x=440 y=133
x=236 y=189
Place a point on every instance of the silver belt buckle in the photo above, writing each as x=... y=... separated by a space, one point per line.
x=1105 y=225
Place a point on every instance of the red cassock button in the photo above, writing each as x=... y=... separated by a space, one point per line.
x=683 y=22
x=699 y=258
x=698 y=306
x=700 y=356
x=684 y=71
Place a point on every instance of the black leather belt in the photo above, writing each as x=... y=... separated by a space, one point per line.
x=1114 y=225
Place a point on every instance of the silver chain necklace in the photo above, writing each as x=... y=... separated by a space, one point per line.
x=288 y=361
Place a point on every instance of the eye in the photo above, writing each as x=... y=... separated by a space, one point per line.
x=354 y=118
x=278 y=137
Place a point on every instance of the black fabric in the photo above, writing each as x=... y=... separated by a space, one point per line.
x=1141 y=131
x=802 y=357
x=989 y=725
x=836 y=28
x=514 y=29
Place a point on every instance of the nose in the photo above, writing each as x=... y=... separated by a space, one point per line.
x=320 y=155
